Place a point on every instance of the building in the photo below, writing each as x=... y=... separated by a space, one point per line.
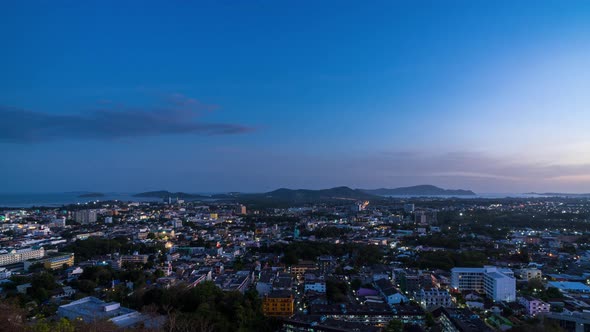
x=58 y=262
x=425 y=217
x=265 y=281
x=570 y=286
x=302 y=268
x=278 y=303
x=373 y=314
x=58 y=222
x=433 y=298
x=389 y=292
x=314 y=283
x=91 y=309
x=134 y=259
x=21 y=255
x=530 y=273
x=108 y=220
x=322 y=324
x=241 y=209
x=326 y=264
x=570 y=322
x=534 y=306
x=5 y=273
x=497 y=284
x=412 y=281
x=460 y=320
x=409 y=208
x=85 y=216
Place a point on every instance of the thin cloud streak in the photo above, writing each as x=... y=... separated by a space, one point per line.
x=177 y=115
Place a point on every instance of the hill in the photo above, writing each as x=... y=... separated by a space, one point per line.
x=165 y=194
x=91 y=195
x=421 y=190
x=308 y=195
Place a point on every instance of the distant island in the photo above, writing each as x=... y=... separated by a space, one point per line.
x=165 y=194
x=91 y=195
x=421 y=190
x=297 y=195
x=560 y=194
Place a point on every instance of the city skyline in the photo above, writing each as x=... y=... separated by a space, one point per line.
x=253 y=97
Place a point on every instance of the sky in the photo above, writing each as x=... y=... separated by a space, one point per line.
x=213 y=96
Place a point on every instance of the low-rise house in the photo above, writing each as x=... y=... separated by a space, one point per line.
x=391 y=294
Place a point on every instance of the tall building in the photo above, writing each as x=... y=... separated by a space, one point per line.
x=497 y=284
x=425 y=217
x=241 y=209
x=85 y=216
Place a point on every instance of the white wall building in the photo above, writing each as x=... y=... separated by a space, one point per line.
x=498 y=284
x=433 y=298
x=534 y=306
x=530 y=273
x=21 y=255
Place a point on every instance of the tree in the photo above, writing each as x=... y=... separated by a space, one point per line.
x=290 y=258
x=355 y=284
x=394 y=325
x=430 y=322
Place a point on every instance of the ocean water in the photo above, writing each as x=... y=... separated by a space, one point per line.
x=59 y=199
x=482 y=195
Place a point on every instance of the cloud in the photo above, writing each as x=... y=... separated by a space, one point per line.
x=176 y=115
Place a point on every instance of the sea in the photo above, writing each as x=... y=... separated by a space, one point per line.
x=24 y=200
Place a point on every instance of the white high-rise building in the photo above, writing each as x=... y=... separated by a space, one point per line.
x=85 y=216
x=496 y=283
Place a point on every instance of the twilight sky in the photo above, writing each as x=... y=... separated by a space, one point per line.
x=492 y=96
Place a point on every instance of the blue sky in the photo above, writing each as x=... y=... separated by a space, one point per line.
x=251 y=96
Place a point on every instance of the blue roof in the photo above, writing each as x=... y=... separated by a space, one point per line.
x=570 y=286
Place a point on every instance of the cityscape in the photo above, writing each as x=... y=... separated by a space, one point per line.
x=321 y=263
x=295 y=166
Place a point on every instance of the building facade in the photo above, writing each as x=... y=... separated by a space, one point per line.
x=278 y=304
x=85 y=216
x=498 y=284
x=534 y=306
x=21 y=255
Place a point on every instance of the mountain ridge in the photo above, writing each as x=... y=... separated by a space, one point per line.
x=300 y=195
x=419 y=190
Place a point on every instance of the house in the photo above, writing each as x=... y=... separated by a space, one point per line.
x=389 y=292
x=314 y=283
